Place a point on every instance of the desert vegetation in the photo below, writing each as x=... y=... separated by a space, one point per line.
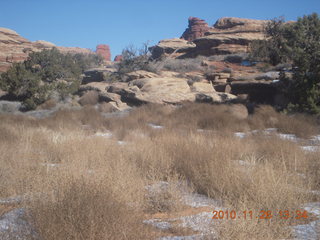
x=76 y=183
x=151 y=171
x=296 y=43
x=46 y=74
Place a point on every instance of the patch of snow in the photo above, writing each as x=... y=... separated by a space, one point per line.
x=269 y=131
x=201 y=222
x=14 y=226
x=154 y=126
x=290 y=137
x=315 y=139
x=275 y=80
x=312 y=229
x=198 y=200
x=104 y=134
x=191 y=237
x=313 y=208
x=158 y=224
x=307 y=231
x=122 y=142
x=240 y=134
x=12 y=200
x=52 y=165
x=310 y=148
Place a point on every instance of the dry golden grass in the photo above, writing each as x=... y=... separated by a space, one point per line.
x=96 y=188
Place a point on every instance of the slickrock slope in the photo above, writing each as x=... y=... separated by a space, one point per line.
x=14 y=48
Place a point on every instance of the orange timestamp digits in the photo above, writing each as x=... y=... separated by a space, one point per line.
x=262 y=214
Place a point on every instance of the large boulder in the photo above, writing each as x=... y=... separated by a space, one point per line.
x=166 y=90
x=174 y=46
x=204 y=87
x=140 y=74
x=97 y=75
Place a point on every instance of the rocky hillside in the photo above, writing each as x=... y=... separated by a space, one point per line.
x=14 y=48
x=227 y=36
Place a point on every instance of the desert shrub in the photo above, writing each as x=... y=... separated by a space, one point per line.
x=183 y=65
x=297 y=43
x=83 y=210
x=45 y=73
x=89 y=98
x=134 y=59
x=233 y=58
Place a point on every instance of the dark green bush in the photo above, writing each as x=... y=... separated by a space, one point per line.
x=45 y=73
x=297 y=43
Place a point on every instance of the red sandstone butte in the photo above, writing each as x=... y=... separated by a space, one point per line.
x=118 y=58
x=104 y=51
x=196 y=29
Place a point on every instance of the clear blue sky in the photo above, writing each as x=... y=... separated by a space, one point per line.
x=86 y=23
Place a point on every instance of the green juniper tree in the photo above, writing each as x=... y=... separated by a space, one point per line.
x=43 y=73
x=299 y=44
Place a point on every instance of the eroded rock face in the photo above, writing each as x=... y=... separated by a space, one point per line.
x=14 y=48
x=104 y=51
x=228 y=36
x=172 y=47
x=118 y=58
x=196 y=29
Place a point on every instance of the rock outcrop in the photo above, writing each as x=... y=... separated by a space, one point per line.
x=14 y=48
x=118 y=58
x=173 y=47
x=196 y=29
x=104 y=51
x=228 y=36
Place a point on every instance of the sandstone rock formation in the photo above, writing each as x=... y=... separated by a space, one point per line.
x=172 y=47
x=118 y=58
x=146 y=87
x=14 y=48
x=196 y=29
x=104 y=51
x=227 y=36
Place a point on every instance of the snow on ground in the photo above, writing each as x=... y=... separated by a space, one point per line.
x=155 y=126
x=312 y=229
x=106 y=134
x=14 y=226
x=199 y=222
x=311 y=148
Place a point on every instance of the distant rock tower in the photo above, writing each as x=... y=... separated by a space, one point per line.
x=118 y=58
x=104 y=51
x=196 y=29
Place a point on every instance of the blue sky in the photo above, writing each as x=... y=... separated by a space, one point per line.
x=119 y=23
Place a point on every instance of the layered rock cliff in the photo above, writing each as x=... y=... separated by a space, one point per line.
x=14 y=48
x=228 y=35
x=196 y=29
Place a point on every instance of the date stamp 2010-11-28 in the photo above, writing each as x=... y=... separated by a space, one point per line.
x=262 y=214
